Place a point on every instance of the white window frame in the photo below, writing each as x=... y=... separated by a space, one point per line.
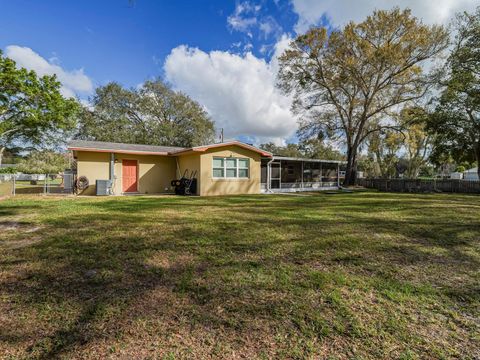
x=217 y=168
x=237 y=168
x=243 y=168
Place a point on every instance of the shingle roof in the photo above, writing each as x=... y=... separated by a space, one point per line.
x=100 y=146
x=121 y=147
x=202 y=148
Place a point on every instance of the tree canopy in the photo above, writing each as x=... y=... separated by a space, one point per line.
x=456 y=120
x=32 y=109
x=153 y=114
x=383 y=149
x=44 y=162
x=309 y=148
x=346 y=81
x=417 y=142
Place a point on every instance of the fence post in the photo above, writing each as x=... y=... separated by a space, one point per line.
x=45 y=185
x=13 y=190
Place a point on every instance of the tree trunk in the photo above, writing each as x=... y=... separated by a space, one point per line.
x=477 y=156
x=2 y=149
x=350 y=171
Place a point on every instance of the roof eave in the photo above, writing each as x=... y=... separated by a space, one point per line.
x=132 y=152
x=192 y=150
x=204 y=148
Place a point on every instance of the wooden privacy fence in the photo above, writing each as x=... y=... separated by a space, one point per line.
x=420 y=185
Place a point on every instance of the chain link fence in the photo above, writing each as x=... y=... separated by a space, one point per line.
x=37 y=184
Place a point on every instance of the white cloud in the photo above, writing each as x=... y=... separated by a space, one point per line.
x=74 y=82
x=338 y=13
x=269 y=26
x=238 y=91
x=243 y=18
x=250 y=19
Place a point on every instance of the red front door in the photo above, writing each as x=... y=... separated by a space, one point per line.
x=129 y=176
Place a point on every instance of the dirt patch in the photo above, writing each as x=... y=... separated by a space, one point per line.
x=9 y=225
x=169 y=261
x=32 y=229
x=18 y=244
x=16 y=225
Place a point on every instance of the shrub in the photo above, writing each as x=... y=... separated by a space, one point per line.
x=8 y=170
x=44 y=162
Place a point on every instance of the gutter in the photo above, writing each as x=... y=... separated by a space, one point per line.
x=268 y=175
x=112 y=172
x=132 y=152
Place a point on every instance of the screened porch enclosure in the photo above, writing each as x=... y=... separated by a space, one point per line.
x=292 y=174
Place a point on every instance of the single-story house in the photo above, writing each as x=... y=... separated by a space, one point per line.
x=471 y=174
x=456 y=175
x=231 y=167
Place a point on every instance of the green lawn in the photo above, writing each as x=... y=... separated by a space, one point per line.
x=347 y=276
x=5 y=188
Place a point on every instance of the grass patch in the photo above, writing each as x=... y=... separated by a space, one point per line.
x=362 y=275
x=5 y=188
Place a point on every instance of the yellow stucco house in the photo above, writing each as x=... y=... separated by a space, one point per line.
x=225 y=168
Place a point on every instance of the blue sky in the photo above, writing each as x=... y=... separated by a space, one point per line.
x=122 y=40
x=221 y=53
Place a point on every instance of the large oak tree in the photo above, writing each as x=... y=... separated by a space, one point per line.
x=345 y=81
x=152 y=114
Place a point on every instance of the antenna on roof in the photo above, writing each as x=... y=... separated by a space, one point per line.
x=221 y=135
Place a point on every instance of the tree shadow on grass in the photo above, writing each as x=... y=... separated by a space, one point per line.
x=85 y=276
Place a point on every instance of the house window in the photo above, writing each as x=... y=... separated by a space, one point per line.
x=243 y=168
x=231 y=168
x=218 y=168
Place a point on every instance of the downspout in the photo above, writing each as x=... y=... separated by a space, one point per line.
x=112 y=172
x=269 y=175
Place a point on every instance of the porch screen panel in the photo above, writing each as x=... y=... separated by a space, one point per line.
x=316 y=172
x=291 y=172
x=329 y=174
x=307 y=172
x=275 y=172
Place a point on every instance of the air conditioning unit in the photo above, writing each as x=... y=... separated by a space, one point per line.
x=103 y=187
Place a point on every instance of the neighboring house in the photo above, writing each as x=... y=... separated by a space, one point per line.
x=225 y=168
x=456 y=175
x=471 y=174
